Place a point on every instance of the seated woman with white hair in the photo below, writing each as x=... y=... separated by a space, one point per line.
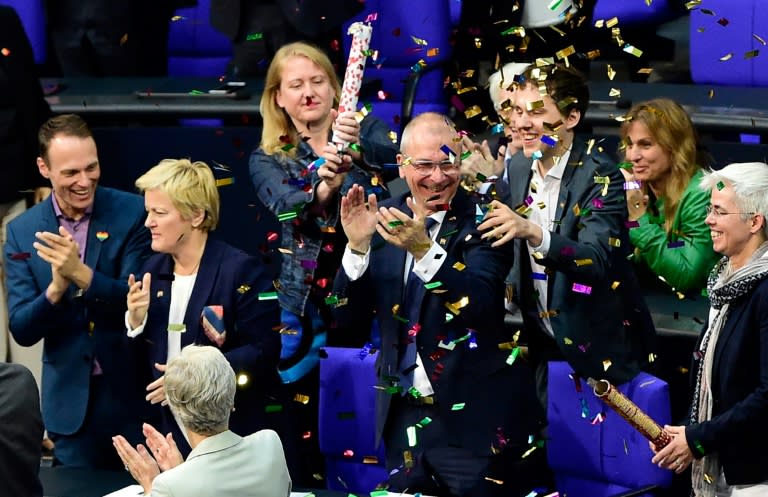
x=200 y=388
x=725 y=437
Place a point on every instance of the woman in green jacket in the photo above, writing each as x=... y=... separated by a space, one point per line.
x=665 y=204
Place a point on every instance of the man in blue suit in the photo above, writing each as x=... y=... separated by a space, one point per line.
x=454 y=408
x=567 y=217
x=67 y=264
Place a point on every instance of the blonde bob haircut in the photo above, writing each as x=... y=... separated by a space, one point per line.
x=672 y=128
x=276 y=121
x=190 y=185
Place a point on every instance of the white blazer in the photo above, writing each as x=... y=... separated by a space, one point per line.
x=228 y=465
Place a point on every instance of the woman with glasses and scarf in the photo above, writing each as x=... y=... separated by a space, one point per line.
x=726 y=434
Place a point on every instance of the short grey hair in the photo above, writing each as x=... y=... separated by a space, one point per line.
x=502 y=79
x=200 y=387
x=749 y=182
x=433 y=122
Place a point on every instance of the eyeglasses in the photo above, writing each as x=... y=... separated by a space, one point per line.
x=425 y=167
x=717 y=212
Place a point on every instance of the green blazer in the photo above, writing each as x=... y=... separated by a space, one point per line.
x=685 y=257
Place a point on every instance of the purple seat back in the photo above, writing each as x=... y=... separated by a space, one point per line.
x=32 y=15
x=632 y=11
x=711 y=41
x=194 y=47
x=601 y=459
x=399 y=31
x=347 y=421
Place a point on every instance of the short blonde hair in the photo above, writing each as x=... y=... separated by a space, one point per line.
x=276 y=121
x=190 y=185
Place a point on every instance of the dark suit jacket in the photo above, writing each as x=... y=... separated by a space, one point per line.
x=476 y=377
x=21 y=432
x=29 y=108
x=86 y=324
x=230 y=278
x=589 y=328
x=737 y=431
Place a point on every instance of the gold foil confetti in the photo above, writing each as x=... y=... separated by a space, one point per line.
x=473 y=111
x=566 y=52
x=530 y=106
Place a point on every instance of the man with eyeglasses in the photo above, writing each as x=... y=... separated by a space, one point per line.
x=453 y=409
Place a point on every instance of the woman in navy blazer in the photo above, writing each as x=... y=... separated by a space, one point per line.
x=726 y=434
x=202 y=291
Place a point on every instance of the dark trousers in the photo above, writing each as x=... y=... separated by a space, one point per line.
x=93 y=52
x=447 y=471
x=106 y=416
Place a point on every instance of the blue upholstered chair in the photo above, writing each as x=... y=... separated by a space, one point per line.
x=631 y=12
x=32 y=15
x=602 y=458
x=194 y=47
x=347 y=421
x=399 y=31
x=733 y=42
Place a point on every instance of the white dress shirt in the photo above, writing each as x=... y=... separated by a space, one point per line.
x=425 y=269
x=543 y=210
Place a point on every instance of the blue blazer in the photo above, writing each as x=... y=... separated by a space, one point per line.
x=86 y=324
x=230 y=278
x=612 y=322
x=496 y=396
x=737 y=431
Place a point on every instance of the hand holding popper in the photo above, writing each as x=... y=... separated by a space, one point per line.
x=353 y=76
x=631 y=412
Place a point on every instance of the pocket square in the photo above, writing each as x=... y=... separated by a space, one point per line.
x=213 y=324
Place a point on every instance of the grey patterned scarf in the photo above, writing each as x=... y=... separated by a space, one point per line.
x=724 y=286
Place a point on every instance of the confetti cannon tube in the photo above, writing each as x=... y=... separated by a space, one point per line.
x=629 y=411
x=353 y=76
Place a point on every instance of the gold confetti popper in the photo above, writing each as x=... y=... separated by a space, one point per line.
x=631 y=412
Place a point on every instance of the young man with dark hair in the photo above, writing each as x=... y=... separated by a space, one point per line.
x=567 y=217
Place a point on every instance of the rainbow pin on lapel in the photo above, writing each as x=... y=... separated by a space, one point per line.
x=102 y=235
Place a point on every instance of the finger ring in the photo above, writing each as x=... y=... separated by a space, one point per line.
x=678 y=462
x=127 y=468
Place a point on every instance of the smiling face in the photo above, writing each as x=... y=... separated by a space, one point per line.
x=168 y=227
x=732 y=235
x=305 y=92
x=424 y=145
x=650 y=162
x=536 y=116
x=72 y=165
